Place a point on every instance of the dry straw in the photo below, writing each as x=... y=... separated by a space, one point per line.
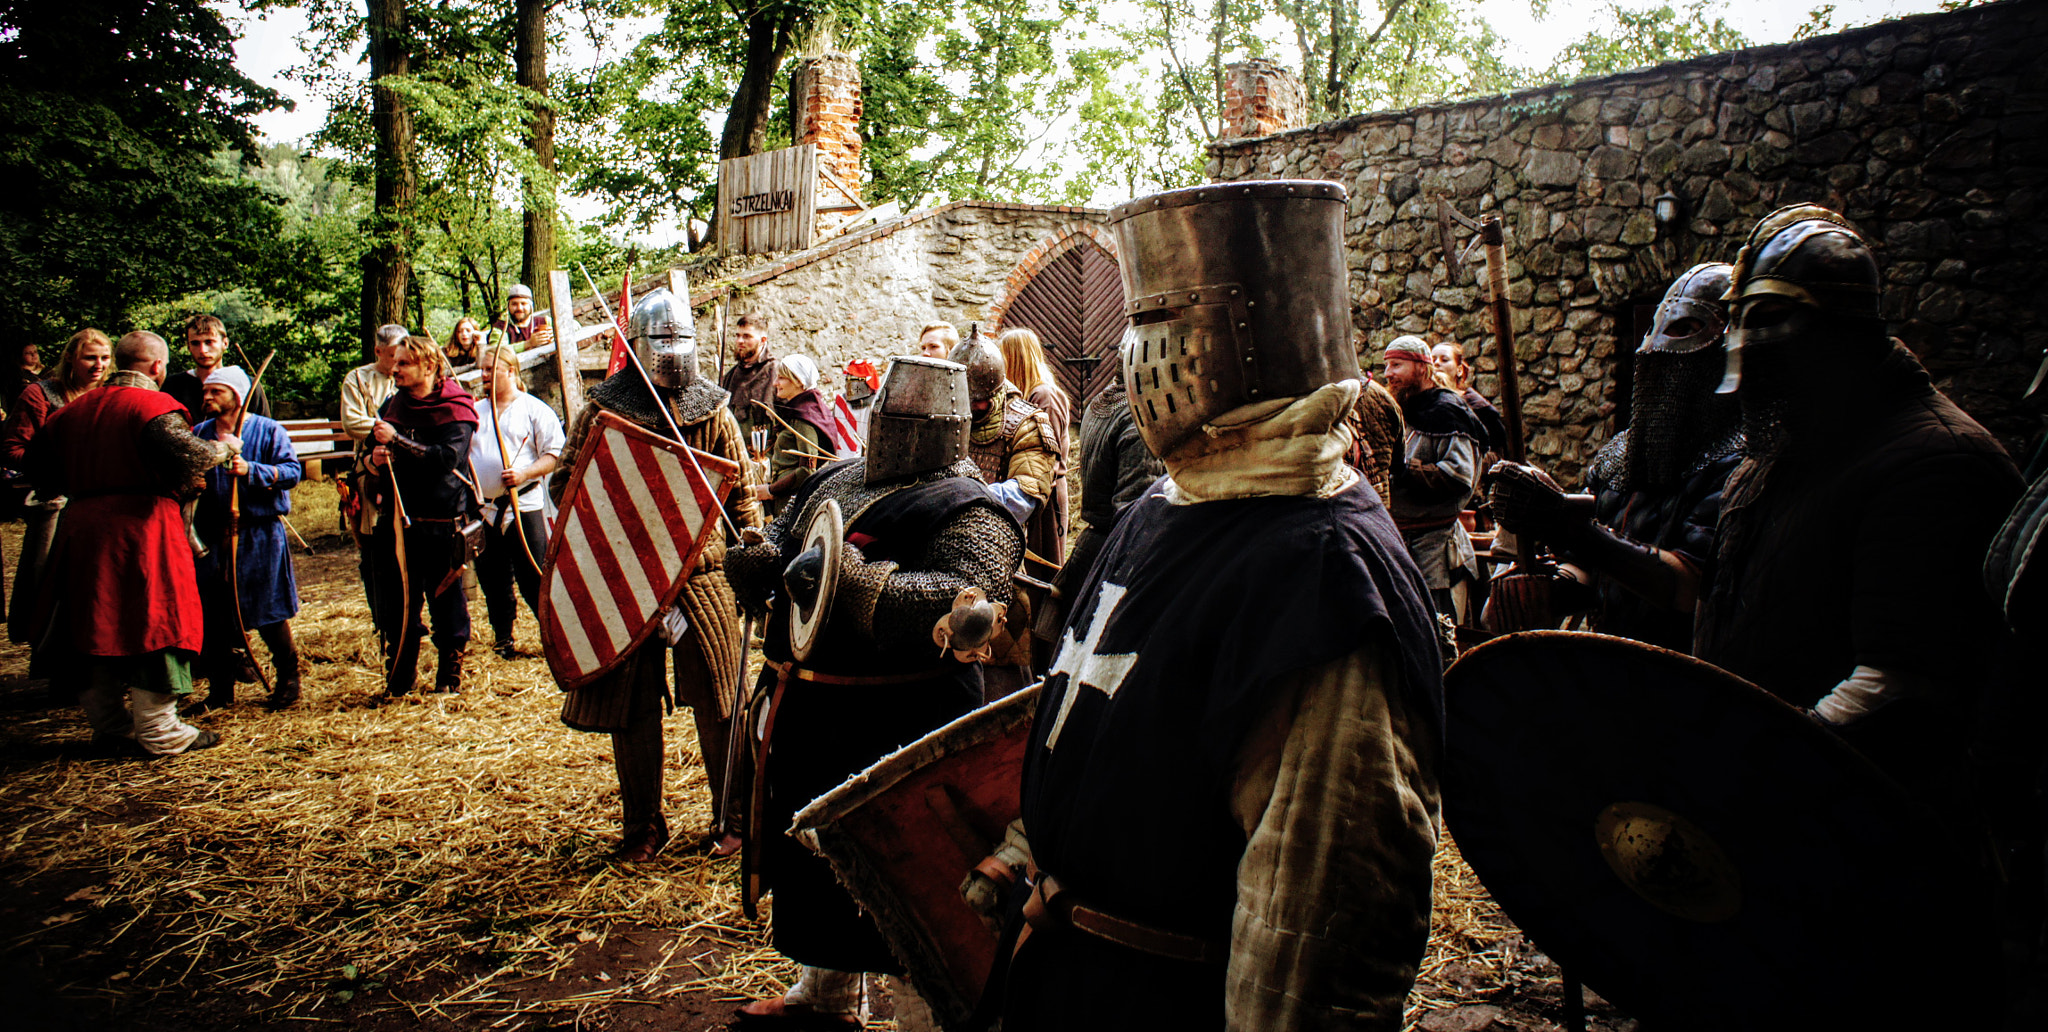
x=443 y=857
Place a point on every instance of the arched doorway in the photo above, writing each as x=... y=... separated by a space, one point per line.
x=1076 y=303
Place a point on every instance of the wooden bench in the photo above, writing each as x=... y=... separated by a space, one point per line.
x=316 y=440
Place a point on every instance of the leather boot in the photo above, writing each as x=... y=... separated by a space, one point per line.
x=448 y=671
x=284 y=656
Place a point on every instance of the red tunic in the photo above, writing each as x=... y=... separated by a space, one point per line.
x=126 y=586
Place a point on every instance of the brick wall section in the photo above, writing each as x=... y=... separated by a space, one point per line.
x=1261 y=98
x=1931 y=133
x=829 y=110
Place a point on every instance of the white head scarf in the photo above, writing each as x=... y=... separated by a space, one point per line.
x=801 y=368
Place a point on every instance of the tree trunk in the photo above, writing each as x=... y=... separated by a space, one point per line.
x=387 y=265
x=746 y=122
x=531 y=57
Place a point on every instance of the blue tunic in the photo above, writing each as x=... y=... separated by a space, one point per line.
x=270 y=592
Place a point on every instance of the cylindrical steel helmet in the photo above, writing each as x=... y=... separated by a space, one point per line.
x=1814 y=258
x=1236 y=293
x=984 y=362
x=665 y=338
x=920 y=420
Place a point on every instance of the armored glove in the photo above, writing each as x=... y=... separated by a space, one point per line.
x=1530 y=504
x=988 y=885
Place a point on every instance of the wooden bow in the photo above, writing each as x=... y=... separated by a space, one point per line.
x=398 y=529
x=235 y=535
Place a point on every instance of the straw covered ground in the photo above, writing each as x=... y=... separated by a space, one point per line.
x=440 y=863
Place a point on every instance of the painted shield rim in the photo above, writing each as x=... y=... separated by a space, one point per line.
x=709 y=499
x=827 y=531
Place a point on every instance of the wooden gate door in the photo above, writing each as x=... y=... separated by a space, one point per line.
x=1076 y=303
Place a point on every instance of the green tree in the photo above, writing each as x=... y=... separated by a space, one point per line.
x=109 y=116
x=970 y=119
x=1652 y=35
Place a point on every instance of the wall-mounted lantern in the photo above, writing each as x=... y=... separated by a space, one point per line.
x=1669 y=209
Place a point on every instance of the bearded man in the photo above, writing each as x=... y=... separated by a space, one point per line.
x=522 y=327
x=206 y=340
x=258 y=591
x=1644 y=538
x=751 y=379
x=920 y=528
x=630 y=701
x=1231 y=785
x=1852 y=532
x=1438 y=471
x=122 y=585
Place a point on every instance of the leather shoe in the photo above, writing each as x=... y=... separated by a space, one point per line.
x=643 y=843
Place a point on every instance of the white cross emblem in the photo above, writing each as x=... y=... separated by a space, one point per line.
x=1083 y=666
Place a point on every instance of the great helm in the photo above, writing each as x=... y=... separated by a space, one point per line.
x=1236 y=293
x=920 y=420
x=665 y=338
x=1819 y=261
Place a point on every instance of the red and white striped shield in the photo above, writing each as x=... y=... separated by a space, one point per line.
x=634 y=520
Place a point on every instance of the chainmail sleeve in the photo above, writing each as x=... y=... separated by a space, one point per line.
x=181 y=456
x=897 y=604
x=755 y=571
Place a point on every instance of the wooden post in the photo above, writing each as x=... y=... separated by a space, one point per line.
x=566 y=351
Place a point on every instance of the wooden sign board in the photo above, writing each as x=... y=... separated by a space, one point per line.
x=768 y=201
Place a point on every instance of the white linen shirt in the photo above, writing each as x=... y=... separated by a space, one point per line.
x=530 y=430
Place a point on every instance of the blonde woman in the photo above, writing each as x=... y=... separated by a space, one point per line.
x=87 y=357
x=1025 y=363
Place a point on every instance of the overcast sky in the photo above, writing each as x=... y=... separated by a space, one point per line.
x=270 y=45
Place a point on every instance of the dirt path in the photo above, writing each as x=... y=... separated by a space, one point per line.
x=434 y=864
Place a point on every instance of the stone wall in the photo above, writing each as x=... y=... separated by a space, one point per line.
x=1931 y=133
x=865 y=295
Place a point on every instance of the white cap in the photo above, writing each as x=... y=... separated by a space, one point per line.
x=234 y=379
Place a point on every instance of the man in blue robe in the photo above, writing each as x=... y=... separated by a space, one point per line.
x=267 y=470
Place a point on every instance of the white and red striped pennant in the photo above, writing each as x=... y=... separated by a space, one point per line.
x=634 y=519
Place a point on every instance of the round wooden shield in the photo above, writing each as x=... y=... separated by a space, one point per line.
x=807 y=622
x=1700 y=853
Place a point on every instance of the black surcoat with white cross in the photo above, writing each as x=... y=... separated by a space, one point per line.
x=1188 y=616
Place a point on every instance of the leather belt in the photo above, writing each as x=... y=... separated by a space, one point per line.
x=1050 y=906
x=797 y=673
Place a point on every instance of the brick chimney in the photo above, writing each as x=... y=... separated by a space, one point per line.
x=1260 y=98
x=828 y=114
